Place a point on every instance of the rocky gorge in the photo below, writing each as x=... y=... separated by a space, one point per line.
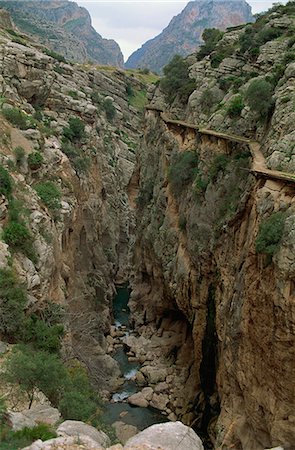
x=106 y=193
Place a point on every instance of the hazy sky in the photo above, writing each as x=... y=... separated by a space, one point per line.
x=131 y=23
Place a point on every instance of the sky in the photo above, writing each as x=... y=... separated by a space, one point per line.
x=131 y=23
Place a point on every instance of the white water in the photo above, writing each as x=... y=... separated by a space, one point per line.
x=120 y=396
x=129 y=375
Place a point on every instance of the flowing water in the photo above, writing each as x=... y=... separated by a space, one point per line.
x=119 y=409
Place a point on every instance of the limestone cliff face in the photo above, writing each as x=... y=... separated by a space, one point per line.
x=66 y=28
x=183 y=35
x=197 y=255
x=82 y=245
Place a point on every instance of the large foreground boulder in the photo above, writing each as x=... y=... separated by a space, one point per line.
x=165 y=436
x=66 y=443
x=77 y=428
x=34 y=416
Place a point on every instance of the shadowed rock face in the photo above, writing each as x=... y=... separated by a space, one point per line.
x=183 y=34
x=65 y=28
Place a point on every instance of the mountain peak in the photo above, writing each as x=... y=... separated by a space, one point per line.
x=183 y=35
x=66 y=28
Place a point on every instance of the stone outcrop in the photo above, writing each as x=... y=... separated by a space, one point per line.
x=32 y=417
x=183 y=35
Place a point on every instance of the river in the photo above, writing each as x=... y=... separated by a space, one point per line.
x=118 y=409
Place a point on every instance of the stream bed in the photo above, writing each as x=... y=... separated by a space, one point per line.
x=118 y=409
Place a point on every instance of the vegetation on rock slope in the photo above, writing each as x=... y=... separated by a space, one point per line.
x=68 y=138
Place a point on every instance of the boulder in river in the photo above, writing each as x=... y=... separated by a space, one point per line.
x=138 y=399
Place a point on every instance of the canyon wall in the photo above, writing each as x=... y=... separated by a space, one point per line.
x=71 y=127
x=201 y=216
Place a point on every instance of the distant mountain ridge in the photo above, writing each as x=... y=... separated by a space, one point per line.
x=183 y=34
x=65 y=28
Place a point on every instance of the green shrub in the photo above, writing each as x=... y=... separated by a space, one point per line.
x=176 y=81
x=259 y=97
x=73 y=94
x=76 y=406
x=270 y=234
x=129 y=90
x=225 y=83
x=218 y=165
x=219 y=54
x=13 y=299
x=33 y=370
x=79 y=401
x=75 y=131
x=17 y=236
x=109 y=108
x=200 y=184
x=19 y=154
x=11 y=440
x=210 y=37
x=41 y=431
x=5 y=182
x=268 y=34
x=3 y=410
x=235 y=106
x=54 y=55
x=59 y=70
x=41 y=335
x=248 y=39
x=15 y=210
x=18 y=118
x=182 y=171
x=138 y=99
x=49 y=194
x=35 y=160
x=79 y=161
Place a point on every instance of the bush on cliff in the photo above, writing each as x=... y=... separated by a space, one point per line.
x=13 y=299
x=5 y=182
x=75 y=131
x=35 y=160
x=33 y=370
x=270 y=234
x=109 y=108
x=210 y=37
x=235 y=106
x=176 y=81
x=49 y=194
x=182 y=171
x=18 y=118
x=259 y=97
x=19 y=238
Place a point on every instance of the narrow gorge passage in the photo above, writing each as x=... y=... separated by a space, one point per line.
x=118 y=409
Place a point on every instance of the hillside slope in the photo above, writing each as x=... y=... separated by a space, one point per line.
x=183 y=35
x=66 y=28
